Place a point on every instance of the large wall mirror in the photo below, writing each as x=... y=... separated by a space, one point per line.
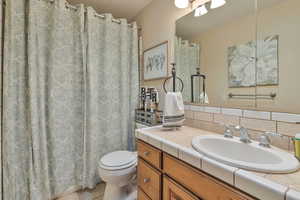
x=242 y=54
x=278 y=33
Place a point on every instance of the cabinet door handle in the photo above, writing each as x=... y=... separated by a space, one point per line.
x=146 y=180
x=147 y=153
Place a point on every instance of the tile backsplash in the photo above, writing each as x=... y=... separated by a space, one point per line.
x=257 y=114
x=258 y=122
x=286 y=117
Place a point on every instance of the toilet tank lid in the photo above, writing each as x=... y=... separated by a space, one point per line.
x=118 y=158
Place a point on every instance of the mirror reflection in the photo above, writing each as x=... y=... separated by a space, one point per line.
x=246 y=50
x=215 y=36
x=278 y=53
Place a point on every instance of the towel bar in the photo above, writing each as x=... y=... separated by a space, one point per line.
x=259 y=96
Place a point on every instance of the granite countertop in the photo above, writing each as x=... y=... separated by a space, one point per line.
x=260 y=185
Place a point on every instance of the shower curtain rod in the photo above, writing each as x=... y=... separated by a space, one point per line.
x=96 y=14
x=69 y=6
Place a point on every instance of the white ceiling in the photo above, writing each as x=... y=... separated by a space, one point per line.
x=119 y=8
x=189 y=26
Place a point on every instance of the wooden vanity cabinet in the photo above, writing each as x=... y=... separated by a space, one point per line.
x=174 y=191
x=142 y=195
x=149 y=172
x=149 y=180
x=150 y=154
x=200 y=183
x=163 y=177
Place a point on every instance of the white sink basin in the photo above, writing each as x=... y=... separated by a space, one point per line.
x=232 y=151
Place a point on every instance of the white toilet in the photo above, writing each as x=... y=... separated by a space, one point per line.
x=118 y=170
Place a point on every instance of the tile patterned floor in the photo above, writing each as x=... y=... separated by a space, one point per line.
x=95 y=194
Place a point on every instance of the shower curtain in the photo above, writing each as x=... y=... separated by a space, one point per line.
x=187 y=60
x=43 y=99
x=14 y=141
x=69 y=95
x=112 y=89
x=1 y=24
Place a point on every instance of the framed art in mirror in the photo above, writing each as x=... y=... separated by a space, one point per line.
x=243 y=68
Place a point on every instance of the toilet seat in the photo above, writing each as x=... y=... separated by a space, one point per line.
x=118 y=160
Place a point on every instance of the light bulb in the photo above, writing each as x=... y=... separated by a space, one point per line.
x=217 y=3
x=181 y=3
x=200 y=11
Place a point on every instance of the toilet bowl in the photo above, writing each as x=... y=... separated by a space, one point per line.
x=118 y=170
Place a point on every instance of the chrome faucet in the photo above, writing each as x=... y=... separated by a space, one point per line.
x=264 y=139
x=244 y=135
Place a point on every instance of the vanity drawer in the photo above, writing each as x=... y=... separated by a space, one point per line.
x=149 y=180
x=150 y=154
x=142 y=195
x=229 y=195
x=200 y=183
x=173 y=191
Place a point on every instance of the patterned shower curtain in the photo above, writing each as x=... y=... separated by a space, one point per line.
x=67 y=101
x=187 y=60
x=43 y=99
x=112 y=68
x=1 y=24
x=15 y=141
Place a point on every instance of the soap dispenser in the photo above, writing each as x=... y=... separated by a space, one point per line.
x=297 y=145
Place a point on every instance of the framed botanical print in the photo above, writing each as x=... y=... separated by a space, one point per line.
x=155 y=62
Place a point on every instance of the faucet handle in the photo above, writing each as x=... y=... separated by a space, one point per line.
x=264 y=139
x=228 y=133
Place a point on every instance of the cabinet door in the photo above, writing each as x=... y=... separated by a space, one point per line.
x=142 y=195
x=201 y=184
x=173 y=191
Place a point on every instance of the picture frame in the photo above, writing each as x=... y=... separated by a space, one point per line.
x=155 y=62
x=262 y=71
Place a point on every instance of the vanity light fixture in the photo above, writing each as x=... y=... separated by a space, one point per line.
x=182 y=3
x=217 y=3
x=200 y=11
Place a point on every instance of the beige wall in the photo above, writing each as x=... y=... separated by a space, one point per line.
x=158 y=23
